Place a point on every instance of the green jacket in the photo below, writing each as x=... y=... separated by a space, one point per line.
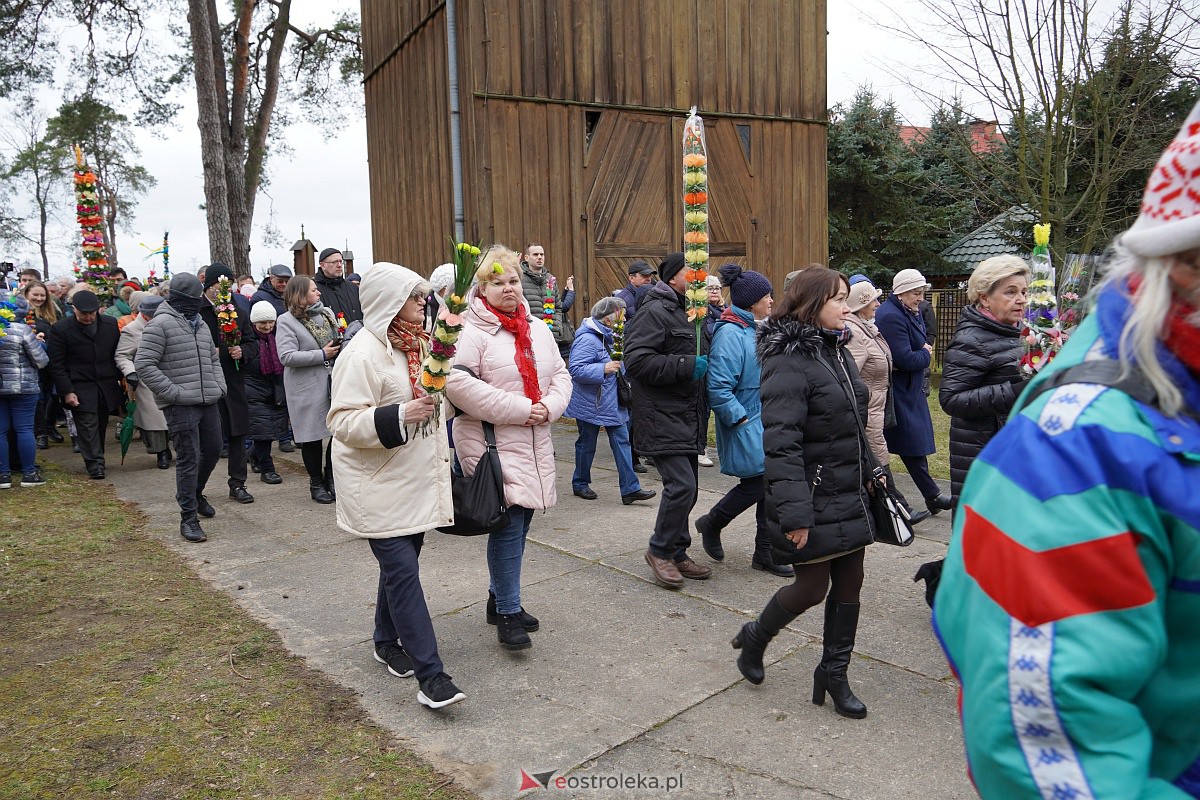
x=1069 y=604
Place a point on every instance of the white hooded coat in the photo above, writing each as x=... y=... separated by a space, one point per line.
x=392 y=480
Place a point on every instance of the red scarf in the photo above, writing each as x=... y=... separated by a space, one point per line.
x=1181 y=336
x=412 y=339
x=516 y=324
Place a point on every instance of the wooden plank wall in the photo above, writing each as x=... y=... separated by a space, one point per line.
x=535 y=73
x=757 y=57
x=408 y=132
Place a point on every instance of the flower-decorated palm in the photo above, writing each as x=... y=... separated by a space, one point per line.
x=695 y=219
x=227 y=316
x=446 y=329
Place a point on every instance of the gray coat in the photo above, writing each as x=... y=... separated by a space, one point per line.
x=305 y=379
x=21 y=356
x=178 y=361
x=148 y=416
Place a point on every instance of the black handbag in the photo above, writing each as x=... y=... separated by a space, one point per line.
x=479 y=498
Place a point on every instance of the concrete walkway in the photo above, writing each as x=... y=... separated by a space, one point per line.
x=626 y=681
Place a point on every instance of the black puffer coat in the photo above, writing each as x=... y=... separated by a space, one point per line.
x=265 y=397
x=340 y=296
x=815 y=457
x=981 y=378
x=670 y=410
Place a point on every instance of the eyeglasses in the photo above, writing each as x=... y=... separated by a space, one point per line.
x=337 y=263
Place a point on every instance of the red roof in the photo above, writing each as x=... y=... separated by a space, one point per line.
x=985 y=135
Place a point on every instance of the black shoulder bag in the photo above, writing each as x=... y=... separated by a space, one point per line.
x=479 y=506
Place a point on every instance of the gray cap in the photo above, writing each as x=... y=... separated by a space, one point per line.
x=280 y=271
x=606 y=306
x=185 y=284
x=150 y=304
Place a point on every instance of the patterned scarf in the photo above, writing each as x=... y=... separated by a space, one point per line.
x=412 y=339
x=318 y=322
x=1183 y=337
x=268 y=355
x=516 y=324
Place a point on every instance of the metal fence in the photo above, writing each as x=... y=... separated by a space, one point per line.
x=947 y=304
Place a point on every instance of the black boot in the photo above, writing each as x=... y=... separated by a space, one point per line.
x=754 y=637
x=74 y=444
x=841 y=623
x=765 y=561
x=43 y=442
x=938 y=503
x=316 y=488
x=329 y=484
x=164 y=459
x=710 y=527
x=528 y=621
x=511 y=632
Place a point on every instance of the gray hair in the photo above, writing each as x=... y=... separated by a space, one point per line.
x=607 y=306
x=1149 y=309
x=993 y=270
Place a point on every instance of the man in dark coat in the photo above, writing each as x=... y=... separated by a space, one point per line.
x=271 y=289
x=338 y=294
x=235 y=412
x=670 y=415
x=82 y=352
x=641 y=275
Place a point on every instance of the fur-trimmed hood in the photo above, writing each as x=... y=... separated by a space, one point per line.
x=790 y=336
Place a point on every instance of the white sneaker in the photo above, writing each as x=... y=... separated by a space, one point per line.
x=703 y=460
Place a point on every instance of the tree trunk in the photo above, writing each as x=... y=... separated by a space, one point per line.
x=210 y=96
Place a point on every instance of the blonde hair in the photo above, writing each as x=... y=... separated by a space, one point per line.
x=1144 y=327
x=496 y=254
x=993 y=270
x=47 y=311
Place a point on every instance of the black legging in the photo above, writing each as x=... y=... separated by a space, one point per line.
x=813 y=581
x=318 y=467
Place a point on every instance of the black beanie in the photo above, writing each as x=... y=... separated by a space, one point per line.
x=327 y=252
x=214 y=272
x=671 y=265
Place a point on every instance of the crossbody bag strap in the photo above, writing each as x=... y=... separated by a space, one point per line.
x=489 y=430
x=876 y=467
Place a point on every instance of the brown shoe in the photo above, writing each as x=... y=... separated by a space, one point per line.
x=690 y=569
x=665 y=571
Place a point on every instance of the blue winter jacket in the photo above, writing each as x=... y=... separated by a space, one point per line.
x=734 y=377
x=904 y=331
x=21 y=356
x=593 y=394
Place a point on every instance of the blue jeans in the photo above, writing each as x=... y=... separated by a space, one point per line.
x=585 y=452
x=16 y=413
x=505 y=549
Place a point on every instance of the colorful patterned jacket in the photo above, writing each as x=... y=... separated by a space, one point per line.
x=1069 y=605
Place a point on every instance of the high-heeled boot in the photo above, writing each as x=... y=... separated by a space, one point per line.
x=754 y=637
x=841 y=625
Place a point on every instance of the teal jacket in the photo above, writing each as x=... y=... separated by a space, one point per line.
x=1069 y=605
x=733 y=381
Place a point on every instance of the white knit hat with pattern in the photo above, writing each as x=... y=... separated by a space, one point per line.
x=1170 y=218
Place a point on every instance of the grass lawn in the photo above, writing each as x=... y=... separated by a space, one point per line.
x=122 y=674
x=939 y=462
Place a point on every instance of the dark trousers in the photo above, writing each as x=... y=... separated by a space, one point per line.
x=400 y=610
x=262 y=455
x=237 y=449
x=196 y=433
x=918 y=470
x=320 y=469
x=680 y=477
x=748 y=492
x=90 y=429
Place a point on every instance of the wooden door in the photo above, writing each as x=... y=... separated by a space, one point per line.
x=633 y=208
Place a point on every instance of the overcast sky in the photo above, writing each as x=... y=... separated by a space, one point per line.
x=323 y=184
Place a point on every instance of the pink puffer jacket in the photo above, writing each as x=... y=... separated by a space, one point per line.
x=526 y=453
